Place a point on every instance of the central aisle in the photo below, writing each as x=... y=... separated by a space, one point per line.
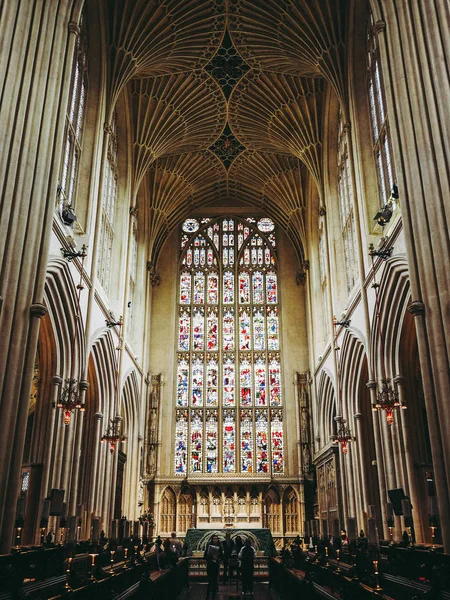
x=197 y=591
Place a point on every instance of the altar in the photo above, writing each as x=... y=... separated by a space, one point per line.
x=196 y=539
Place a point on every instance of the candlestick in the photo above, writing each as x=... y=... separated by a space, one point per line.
x=92 y=566
x=67 y=585
x=391 y=536
x=111 y=570
x=433 y=529
x=338 y=570
x=18 y=534
x=377 y=581
x=327 y=564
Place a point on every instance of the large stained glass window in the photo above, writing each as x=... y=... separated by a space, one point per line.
x=229 y=398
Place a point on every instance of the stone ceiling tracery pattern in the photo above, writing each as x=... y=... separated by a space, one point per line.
x=227 y=102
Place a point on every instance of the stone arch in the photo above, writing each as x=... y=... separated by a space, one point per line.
x=168 y=512
x=130 y=464
x=185 y=508
x=272 y=506
x=327 y=409
x=291 y=515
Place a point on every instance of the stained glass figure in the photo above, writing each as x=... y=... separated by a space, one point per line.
x=244 y=330
x=228 y=287
x=276 y=428
x=184 y=330
x=210 y=257
x=275 y=382
x=197 y=382
x=225 y=257
x=196 y=441
x=259 y=334
x=246 y=442
x=185 y=288
x=271 y=288
x=262 y=443
x=228 y=383
x=212 y=382
x=213 y=330
x=244 y=288
x=202 y=257
x=181 y=434
x=245 y=371
x=273 y=342
x=182 y=383
x=213 y=288
x=199 y=287
x=267 y=256
x=246 y=256
x=258 y=287
x=260 y=383
x=189 y=257
x=229 y=442
x=228 y=331
x=196 y=257
x=198 y=333
x=211 y=442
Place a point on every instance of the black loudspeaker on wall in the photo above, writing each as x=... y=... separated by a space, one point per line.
x=396 y=497
x=56 y=502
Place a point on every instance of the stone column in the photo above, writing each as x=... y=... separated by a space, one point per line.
x=415 y=50
x=362 y=474
x=372 y=385
x=35 y=42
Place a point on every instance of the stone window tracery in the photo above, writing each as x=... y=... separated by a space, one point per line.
x=229 y=395
x=109 y=196
x=382 y=149
x=75 y=119
x=346 y=200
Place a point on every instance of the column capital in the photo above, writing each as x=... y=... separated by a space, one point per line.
x=38 y=310
x=74 y=28
x=98 y=416
x=379 y=26
x=399 y=379
x=83 y=385
x=56 y=380
x=371 y=384
x=357 y=416
x=416 y=308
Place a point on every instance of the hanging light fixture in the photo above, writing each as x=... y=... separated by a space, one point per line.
x=71 y=395
x=387 y=398
x=113 y=434
x=343 y=436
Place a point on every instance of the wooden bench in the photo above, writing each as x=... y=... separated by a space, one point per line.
x=406 y=584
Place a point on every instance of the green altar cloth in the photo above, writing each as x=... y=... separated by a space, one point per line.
x=262 y=541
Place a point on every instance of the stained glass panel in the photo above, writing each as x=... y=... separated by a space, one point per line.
x=228 y=287
x=181 y=434
x=211 y=442
x=266 y=225
x=213 y=288
x=190 y=226
x=259 y=337
x=212 y=379
x=199 y=288
x=198 y=324
x=244 y=330
x=184 y=330
x=276 y=428
x=271 y=288
x=182 y=383
x=245 y=371
x=273 y=342
x=228 y=331
x=196 y=441
x=197 y=382
x=229 y=442
x=212 y=329
x=275 y=382
x=185 y=288
x=246 y=442
x=244 y=288
x=258 y=288
x=260 y=383
x=228 y=383
x=262 y=443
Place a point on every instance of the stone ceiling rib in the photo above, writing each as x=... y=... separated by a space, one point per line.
x=281 y=114
x=174 y=182
x=156 y=37
x=174 y=114
x=287 y=36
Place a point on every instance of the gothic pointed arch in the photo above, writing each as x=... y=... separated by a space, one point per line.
x=168 y=512
x=290 y=511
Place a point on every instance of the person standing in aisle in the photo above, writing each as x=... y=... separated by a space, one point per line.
x=247 y=557
x=213 y=555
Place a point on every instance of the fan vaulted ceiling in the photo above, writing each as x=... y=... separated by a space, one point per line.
x=227 y=102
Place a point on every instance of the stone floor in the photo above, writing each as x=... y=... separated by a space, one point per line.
x=197 y=591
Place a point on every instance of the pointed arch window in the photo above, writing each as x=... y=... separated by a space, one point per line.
x=381 y=141
x=229 y=395
x=109 y=196
x=75 y=117
x=346 y=200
